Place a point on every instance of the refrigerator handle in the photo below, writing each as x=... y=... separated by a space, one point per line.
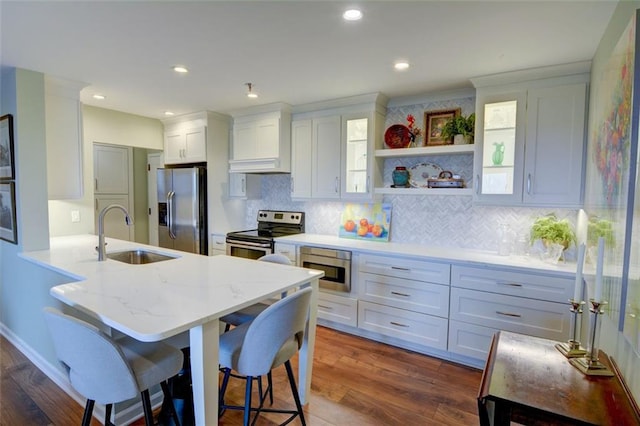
x=170 y=195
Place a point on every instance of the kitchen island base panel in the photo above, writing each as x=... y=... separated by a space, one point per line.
x=204 y=341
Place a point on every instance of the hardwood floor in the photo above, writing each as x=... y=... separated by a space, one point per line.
x=355 y=382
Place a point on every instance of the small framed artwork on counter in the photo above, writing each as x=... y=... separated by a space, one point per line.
x=434 y=122
x=7 y=167
x=8 y=226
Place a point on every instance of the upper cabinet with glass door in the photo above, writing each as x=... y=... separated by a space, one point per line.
x=359 y=165
x=502 y=147
x=530 y=141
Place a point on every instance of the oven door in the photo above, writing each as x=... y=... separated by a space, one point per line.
x=337 y=272
x=248 y=250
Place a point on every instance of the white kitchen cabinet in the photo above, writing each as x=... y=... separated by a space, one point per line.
x=218 y=244
x=316 y=146
x=261 y=141
x=63 y=131
x=338 y=309
x=332 y=151
x=530 y=142
x=404 y=298
x=244 y=186
x=325 y=166
x=301 y=158
x=111 y=169
x=413 y=327
x=184 y=144
x=486 y=299
x=288 y=250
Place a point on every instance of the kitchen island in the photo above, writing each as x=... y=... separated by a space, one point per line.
x=185 y=293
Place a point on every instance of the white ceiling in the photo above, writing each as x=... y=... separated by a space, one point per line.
x=292 y=51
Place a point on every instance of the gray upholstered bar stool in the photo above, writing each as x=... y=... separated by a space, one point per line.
x=254 y=348
x=110 y=370
x=250 y=312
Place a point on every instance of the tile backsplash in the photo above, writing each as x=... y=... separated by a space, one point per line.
x=445 y=221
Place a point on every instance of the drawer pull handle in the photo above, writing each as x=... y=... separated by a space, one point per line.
x=398 y=324
x=509 y=314
x=400 y=269
x=400 y=294
x=325 y=307
x=510 y=284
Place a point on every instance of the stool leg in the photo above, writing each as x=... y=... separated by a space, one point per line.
x=88 y=410
x=294 y=390
x=247 y=401
x=270 y=387
x=223 y=389
x=107 y=415
x=146 y=404
x=169 y=399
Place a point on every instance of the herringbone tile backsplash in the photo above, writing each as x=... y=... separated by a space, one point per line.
x=444 y=221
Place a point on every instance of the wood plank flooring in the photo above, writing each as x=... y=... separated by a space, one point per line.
x=355 y=382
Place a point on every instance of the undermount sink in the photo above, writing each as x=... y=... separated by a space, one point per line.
x=138 y=257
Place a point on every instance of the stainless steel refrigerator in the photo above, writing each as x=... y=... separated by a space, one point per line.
x=182 y=209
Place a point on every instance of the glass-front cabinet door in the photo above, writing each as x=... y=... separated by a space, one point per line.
x=500 y=147
x=356 y=157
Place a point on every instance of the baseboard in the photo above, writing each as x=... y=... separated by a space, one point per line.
x=124 y=417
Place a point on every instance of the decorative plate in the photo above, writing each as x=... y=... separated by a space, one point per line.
x=397 y=136
x=420 y=173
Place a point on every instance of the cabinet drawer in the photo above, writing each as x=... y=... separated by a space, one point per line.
x=470 y=340
x=418 y=270
x=418 y=296
x=288 y=250
x=218 y=244
x=413 y=327
x=532 y=317
x=338 y=309
x=534 y=286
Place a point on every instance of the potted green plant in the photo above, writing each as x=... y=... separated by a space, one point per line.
x=551 y=230
x=460 y=125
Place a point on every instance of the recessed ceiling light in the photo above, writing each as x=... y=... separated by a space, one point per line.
x=180 y=69
x=99 y=97
x=168 y=113
x=352 y=15
x=401 y=65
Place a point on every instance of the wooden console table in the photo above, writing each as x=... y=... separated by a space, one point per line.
x=527 y=380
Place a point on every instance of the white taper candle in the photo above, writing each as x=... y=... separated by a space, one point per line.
x=599 y=266
x=577 y=291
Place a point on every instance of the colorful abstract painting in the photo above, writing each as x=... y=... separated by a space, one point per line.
x=611 y=131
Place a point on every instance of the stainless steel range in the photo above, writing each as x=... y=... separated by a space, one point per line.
x=255 y=243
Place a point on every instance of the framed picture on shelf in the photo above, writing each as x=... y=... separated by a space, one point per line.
x=434 y=121
x=7 y=168
x=8 y=227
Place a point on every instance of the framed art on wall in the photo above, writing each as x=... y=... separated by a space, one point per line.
x=7 y=167
x=8 y=226
x=434 y=121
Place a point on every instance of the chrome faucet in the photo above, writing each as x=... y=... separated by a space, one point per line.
x=102 y=250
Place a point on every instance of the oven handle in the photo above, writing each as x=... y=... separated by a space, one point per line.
x=248 y=244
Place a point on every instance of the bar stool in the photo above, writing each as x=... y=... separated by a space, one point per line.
x=110 y=370
x=250 y=312
x=254 y=348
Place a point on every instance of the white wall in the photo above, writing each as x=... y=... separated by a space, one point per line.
x=116 y=128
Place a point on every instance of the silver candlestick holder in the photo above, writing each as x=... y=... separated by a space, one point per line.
x=572 y=348
x=590 y=364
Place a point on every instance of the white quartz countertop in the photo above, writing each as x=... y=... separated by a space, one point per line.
x=431 y=253
x=153 y=301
